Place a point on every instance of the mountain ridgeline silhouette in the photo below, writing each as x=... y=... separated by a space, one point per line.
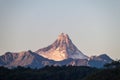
x=61 y=49
x=61 y=52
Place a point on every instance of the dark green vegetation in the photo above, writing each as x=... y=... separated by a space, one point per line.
x=110 y=72
x=47 y=73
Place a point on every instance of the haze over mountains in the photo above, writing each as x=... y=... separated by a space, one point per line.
x=61 y=52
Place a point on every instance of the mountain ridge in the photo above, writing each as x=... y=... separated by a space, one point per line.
x=61 y=49
x=61 y=52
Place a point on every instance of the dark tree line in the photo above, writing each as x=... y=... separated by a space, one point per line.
x=110 y=72
x=46 y=73
x=114 y=64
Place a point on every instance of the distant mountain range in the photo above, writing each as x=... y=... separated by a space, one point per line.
x=61 y=52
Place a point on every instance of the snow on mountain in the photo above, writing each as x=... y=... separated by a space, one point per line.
x=33 y=60
x=25 y=59
x=99 y=61
x=61 y=49
x=61 y=52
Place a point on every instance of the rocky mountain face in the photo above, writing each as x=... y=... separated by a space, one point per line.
x=33 y=60
x=61 y=49
x=27 y=59
x=99 y=61
x=61 y=52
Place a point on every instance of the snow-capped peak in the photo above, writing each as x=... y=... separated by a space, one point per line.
x=62 y=37
x=61 y=49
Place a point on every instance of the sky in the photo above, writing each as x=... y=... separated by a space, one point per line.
x=92 y=25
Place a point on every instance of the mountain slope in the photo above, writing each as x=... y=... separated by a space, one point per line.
x=61 y=49
x=61 y=52
x=26 y=59
x=99 y=61
x=33 y=60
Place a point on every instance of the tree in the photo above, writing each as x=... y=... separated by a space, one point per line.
x=113 y=64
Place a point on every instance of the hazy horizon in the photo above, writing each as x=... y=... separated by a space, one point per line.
x=92 y=25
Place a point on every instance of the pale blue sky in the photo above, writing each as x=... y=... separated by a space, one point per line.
x=93 y=25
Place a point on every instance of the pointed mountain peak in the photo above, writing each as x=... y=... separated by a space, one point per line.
x=61 y=49
x=63 y=36
x=63 y=41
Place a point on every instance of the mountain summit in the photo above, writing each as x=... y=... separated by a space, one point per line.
x=61 y=52
x=61 y=49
